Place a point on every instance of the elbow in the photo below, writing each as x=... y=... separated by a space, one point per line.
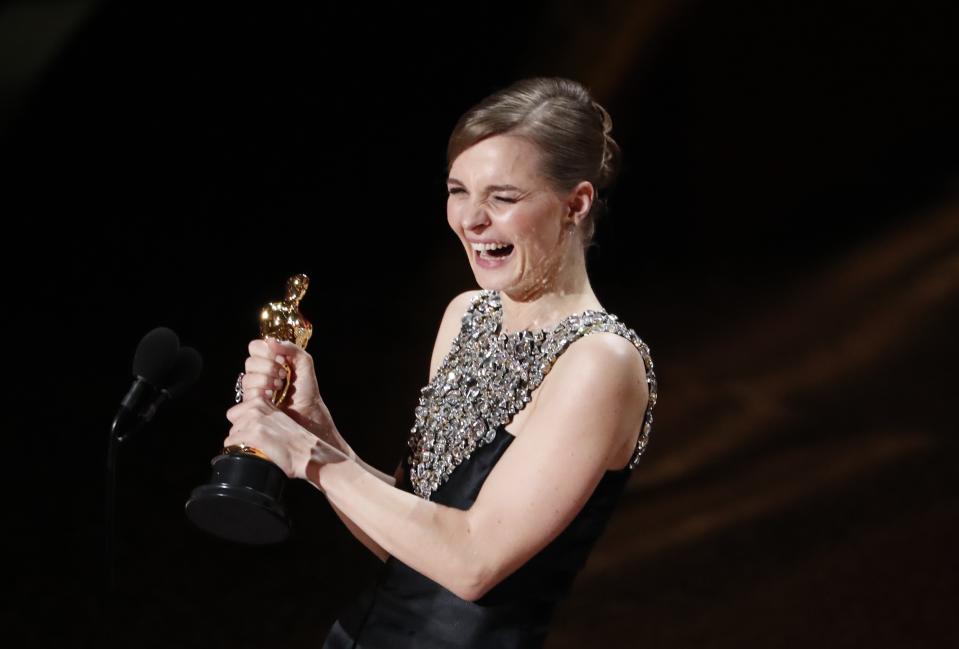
x=475 y=581
x=471 y=587
x=479 y=569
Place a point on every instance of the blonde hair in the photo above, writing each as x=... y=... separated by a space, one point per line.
x=559 y=116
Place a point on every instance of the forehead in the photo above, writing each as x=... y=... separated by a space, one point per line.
x=501 y=158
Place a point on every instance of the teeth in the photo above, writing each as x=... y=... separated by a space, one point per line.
x=480 y=247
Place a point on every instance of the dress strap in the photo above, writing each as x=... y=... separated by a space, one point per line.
x=488 y=376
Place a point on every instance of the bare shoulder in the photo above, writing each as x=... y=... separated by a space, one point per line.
x=450 y=326
x=601 y=359
x=603 y=372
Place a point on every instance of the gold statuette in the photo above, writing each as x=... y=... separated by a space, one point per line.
x=282 y=321
x=243 y=500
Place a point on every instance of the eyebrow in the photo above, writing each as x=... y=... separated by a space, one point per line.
x=489 y=188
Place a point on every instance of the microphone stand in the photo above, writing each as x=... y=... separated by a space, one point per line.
x=100 y=629
x=110 y=509
x=125 y=424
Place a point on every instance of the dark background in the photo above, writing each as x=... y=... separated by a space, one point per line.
x=784 y=236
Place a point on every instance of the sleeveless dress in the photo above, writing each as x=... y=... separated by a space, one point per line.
x=459 y=435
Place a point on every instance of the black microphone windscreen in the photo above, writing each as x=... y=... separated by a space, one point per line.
x=155 y=355
x=186 y=370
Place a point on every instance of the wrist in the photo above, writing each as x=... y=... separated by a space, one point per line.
x=316 y=419
x=322 y=464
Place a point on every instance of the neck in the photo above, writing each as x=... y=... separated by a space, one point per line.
x=547 y=301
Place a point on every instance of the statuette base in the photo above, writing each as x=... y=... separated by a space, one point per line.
x=242 y=501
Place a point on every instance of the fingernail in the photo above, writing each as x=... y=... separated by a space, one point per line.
x=280 y=360
x=282 y=374
x=278 y=383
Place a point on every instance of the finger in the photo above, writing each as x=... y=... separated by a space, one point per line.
x=284 y=349
x=258 y=364
x=233 y=414
x=261 y=382
x=263 y=404
x=256 y=393
x=255 y=384
x=236 y=437
x=251 y=419
x=236 y=412
x=258 y=347
x=257 y=403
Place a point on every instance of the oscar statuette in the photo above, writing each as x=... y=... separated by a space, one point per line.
x=243 y=501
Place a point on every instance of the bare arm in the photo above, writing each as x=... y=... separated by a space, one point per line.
x=592 y=401
x=385 y=477
x=449 y=326
x=360 y=535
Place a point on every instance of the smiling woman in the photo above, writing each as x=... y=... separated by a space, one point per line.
x=538 y=406
x=522 y=232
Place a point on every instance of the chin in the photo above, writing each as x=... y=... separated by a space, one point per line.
x=486 y=283
x=500 y=279
x=503 y=285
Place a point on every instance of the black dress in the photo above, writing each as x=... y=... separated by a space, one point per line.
x=403 y=609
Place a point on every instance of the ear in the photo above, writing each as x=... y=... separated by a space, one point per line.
x=578 y=202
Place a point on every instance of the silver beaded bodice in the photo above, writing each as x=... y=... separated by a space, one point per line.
x=487 y=377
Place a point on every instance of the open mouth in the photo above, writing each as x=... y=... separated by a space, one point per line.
x=491 y=251
x=498 y=252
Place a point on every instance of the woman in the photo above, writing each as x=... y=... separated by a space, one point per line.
x=538 y=407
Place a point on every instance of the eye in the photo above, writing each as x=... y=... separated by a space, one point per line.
x=454 y=190
x=505 y=199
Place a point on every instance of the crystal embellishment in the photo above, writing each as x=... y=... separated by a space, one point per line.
x=488 y=376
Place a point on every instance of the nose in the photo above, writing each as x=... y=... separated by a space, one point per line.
x=475 y=217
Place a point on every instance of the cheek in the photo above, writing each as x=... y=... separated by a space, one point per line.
x=534 y=233
x=452 y=218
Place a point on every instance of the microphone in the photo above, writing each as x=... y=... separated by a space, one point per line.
x=186 y=369
x=163 y=370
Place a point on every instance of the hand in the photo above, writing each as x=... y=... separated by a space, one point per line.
x=260 y=424
x=264 y=368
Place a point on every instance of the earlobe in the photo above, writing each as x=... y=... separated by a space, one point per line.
x=576 y=217
x=569 y=221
